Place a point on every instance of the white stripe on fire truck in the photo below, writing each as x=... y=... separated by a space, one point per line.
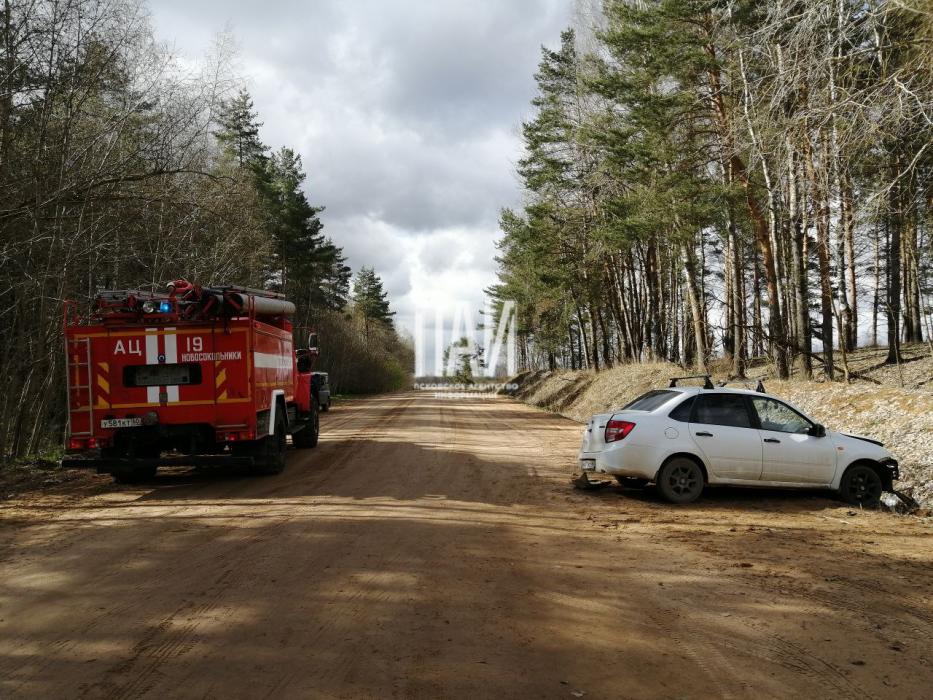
x=171 y=357
x=265 y=360
x=152 y=358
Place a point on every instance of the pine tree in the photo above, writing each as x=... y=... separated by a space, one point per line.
x=370 y=299
x=335 y=277
x=305 y=265
x=545 y=244
x=239 y=131
x=466 y=354
x=293 y=222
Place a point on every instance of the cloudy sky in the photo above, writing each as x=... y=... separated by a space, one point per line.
x=406 y=114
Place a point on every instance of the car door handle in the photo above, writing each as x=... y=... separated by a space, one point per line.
x=771 y=440
x=704 y=434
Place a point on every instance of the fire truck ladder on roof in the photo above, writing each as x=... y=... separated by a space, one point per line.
x=251 y=290
x=78 y=380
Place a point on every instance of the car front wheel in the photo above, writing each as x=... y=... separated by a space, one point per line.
x=861 y=486
x=680 y=480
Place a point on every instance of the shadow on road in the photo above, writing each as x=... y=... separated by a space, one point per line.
x=431 y=549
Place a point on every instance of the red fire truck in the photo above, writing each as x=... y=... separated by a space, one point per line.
x=195 y=376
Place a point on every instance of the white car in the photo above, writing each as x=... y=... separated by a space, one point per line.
x=685 y=438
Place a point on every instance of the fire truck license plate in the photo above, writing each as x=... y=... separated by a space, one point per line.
x=121 y=422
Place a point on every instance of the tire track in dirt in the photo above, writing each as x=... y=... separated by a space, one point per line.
x=432 y=547
x=332 y=456
x=167 y=641
x=149 y=654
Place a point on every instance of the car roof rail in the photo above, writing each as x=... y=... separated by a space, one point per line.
x=707 y=380
x=759 y=385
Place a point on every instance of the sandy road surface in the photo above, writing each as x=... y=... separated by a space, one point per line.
x=432 y=548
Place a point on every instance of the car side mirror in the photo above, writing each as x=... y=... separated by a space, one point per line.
x=817 y=430
x=313 y=349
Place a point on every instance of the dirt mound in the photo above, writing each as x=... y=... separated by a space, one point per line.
x=48 y=477
x=901 y=418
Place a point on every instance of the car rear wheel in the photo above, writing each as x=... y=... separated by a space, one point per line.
x=680 y=480
x=861 y=486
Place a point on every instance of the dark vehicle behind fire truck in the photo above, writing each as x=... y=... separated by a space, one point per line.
x=194 y=377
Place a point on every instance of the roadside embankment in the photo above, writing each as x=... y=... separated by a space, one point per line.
x=901 y=418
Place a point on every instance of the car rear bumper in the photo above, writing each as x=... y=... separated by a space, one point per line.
x=627 y=460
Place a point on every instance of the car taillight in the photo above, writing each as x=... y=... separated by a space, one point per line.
x=75 y=444
x=618 y=429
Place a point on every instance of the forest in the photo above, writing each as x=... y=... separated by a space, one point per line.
x=728 y=180
x=123 y=167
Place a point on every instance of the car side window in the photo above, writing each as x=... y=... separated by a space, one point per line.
x=779 y=417
x=722 y=409
x=682 y=412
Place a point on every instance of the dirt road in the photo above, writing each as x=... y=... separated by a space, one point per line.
x=432 y=548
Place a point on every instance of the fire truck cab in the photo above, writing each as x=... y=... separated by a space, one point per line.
x=193 y=377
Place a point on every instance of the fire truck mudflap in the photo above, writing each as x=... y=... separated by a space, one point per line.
x=194 y=377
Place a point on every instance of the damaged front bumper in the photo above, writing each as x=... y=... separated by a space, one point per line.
x=890 y=464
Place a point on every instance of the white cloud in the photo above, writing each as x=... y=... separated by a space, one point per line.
x=405 y=115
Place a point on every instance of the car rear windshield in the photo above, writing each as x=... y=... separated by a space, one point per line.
x=651 y=400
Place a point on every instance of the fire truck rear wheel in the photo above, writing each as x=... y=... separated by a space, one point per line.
x=270 y=453
x=307 y=436
x=133 y=475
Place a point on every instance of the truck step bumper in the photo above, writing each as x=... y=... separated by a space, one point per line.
x=104 y=465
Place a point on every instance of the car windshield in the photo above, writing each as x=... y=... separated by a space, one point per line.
x=651 y=400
